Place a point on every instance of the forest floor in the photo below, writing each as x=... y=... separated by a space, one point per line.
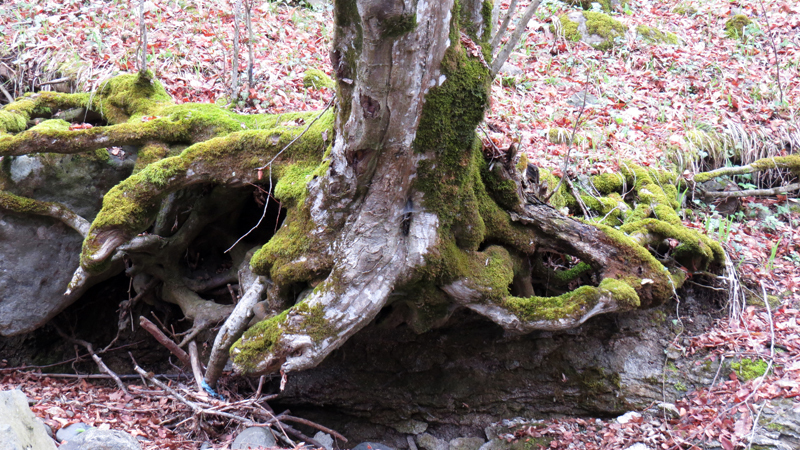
x=648 y=104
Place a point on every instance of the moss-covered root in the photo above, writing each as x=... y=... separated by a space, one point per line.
x=486 y=292
x=22 y=205
x=55 y=136
x=131 y=206
x=692 y=249
x=790 y=162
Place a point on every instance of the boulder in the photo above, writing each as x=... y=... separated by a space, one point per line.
x=429 y=442
x=467 y=443
x=254 y=437
x=38 y=255
x=19 y=428
x=599 y=30
x=70 y=431
x=95 y=439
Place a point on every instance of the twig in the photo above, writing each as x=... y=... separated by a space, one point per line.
x=302 y=436
x=774 y=50
x=298 y=136
x=165 y=341
x=235 y=57
x=197 y=370
x=97 y=376
x=522 y=25
x=250 y=40
x=315 y=425
x=97 y=359
x=56 y=81
x=5 y=92
x=143 y=35
x=498 y=36
x=571 y=142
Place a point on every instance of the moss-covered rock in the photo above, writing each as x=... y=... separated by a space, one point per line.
x=599 y=30
x=655 y=36
x=734 y=27
x=607 y=5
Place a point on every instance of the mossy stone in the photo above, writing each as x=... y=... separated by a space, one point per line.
x=734 y=27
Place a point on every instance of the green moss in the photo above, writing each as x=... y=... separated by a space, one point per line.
x=397 y=26
x=573 y=304
x=734 y=27
x=315 y=78
x=314 y=323
x=655 y=36
x=587 y=4
x=558 y=135
x=748 y=369
x=791 y=162
x=599 y=24
x=694 y=251
x=522 y=164
x=22 y=205
x=258 y=340
x=685 y=10
x=11 y=123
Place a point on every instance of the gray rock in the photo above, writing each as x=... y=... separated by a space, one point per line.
x=372 y=446
x=70 y=431
x=638 y=446
x=467 y=443
x=94 y=439
x=325 y=439
x=496 y=444
x=19 y=428
x=669 y=409
x=578 y=99
x=411 y=426
x=779 y=426
x=510 y=70
x=38 y=254
x=254 y=437
x=430 y=442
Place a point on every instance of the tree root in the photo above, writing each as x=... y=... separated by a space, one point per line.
x=22 y=205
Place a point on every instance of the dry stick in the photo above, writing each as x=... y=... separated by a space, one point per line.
x=315 y=425
x=165 y=341
x=143 y=36
x=96 y=376
x=569 y=148
x=298 y=136
x=97 y=359
x=197 y=370
x=754 y=192
x=498 y=36
x=774 y=50
x=250 y=40
x=302 y=436
x=522 y=25
x=235 y=56
x=5 y=92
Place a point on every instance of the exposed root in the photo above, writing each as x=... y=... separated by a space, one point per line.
x=22 y=205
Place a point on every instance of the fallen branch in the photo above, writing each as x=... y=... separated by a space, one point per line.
x=315 y=425
x=97 y=359
x=754 y=192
